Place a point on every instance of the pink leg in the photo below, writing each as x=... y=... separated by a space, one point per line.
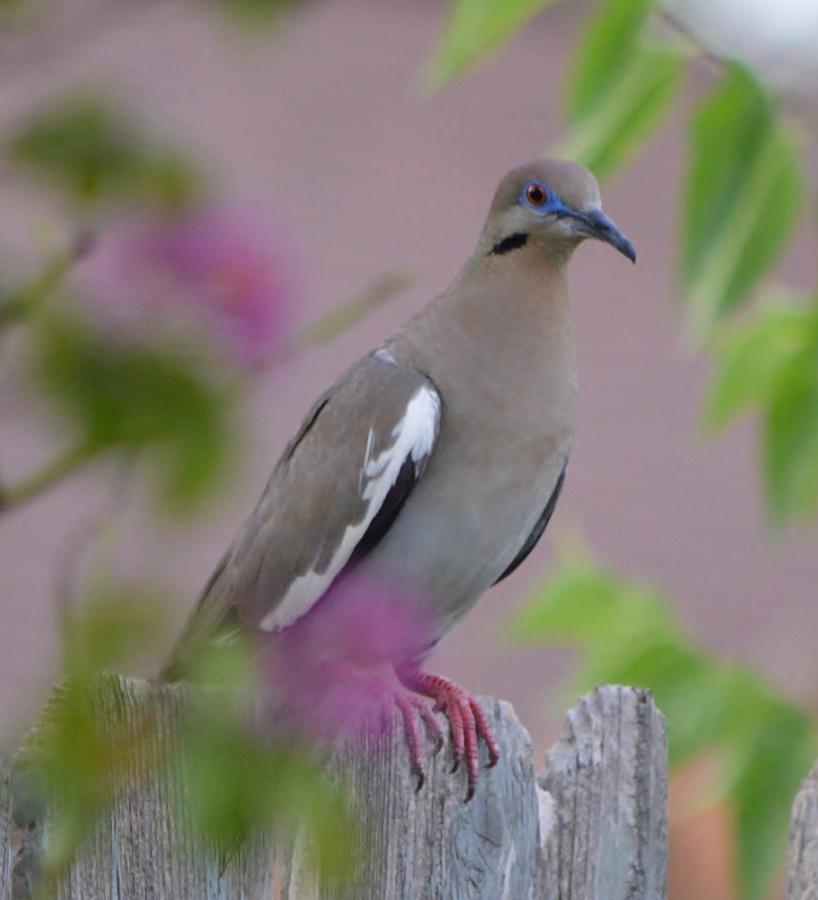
x=467 y=720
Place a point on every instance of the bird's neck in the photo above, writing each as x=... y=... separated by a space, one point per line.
x=507 y=316
x=516 y=302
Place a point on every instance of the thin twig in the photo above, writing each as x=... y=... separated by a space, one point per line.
x=792 y=101
x=33 y=485
x=340 y=318
x=24 y=301
x=693 y=40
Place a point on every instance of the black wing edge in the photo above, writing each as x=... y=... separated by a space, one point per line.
x=537 y=531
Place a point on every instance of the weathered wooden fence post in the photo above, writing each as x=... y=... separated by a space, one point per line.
x=802 y=870
x=591 y=827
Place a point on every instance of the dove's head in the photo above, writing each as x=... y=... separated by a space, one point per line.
x=551 y=205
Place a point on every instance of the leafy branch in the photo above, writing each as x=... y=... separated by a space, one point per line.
x=627 y=634
x=743 y=188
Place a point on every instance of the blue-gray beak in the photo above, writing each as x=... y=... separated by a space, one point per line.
x=596 y=224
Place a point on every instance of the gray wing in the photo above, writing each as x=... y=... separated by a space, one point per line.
x=337 y=488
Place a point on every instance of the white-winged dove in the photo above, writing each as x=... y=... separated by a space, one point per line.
x=436 y=461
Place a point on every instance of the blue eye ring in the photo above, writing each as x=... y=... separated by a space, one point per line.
x=536 y=194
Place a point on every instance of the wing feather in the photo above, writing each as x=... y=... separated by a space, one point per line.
x=337 y=488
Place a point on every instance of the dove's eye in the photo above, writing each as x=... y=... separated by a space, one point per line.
x=536 y=194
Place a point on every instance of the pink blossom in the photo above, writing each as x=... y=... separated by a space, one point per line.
x=331 y=671
x=230 y=272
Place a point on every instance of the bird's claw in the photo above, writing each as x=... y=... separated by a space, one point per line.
x=412 y=709
x=467 y=721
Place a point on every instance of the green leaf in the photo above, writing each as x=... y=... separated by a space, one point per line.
x=619 y=88
x=90 y=149
x=764 y=743
x=743 y=195
x=606 y=137
x=476 y=29
x=791 y=436
x=583 y=601
x=604 y=54
x=257 y=11
x=139 y=397
x=74 y=760
x=751 y=357
x=241 y=780
x=771 y=761
x=112 y=627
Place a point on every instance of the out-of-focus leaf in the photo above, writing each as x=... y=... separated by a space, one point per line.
x=74 y=760
x=752 y=356
x=583 y=601
x=689 y=690
x=771 y=363
x=20 y=300
x=605 y=53
x=791 y=436
x=241 y=780
x=627 y=635
x=256 y=11
x=619 y=87
x=115 y=625
x=743 y=195
x=475 y=29
x=87 y=147
x=770 y=762
x=140 y=397
x=604 y=139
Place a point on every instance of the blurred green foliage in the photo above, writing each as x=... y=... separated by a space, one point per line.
x=619 y=88
x=476 y=29
x=256 y=11
x=237 y=777
x=165 y=395
x=139 y=397
x=744 y=191
x=82 y=743
x=627 y=634
x=89 y=148
x=240 y=781
x=770 y=363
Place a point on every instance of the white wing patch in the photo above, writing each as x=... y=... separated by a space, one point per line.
x=414 y=436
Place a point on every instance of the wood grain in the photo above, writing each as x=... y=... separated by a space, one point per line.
x=592 y=826
x=802 y=871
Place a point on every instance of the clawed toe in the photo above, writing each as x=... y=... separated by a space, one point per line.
x=413 y=710
x=467 y=721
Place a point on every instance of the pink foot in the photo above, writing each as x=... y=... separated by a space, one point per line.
x=412 y=709
x=357 y=698
x=467 y=720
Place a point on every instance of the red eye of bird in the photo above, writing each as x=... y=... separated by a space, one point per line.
x=535 y=194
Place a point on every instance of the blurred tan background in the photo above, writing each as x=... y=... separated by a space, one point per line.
x=325 y=127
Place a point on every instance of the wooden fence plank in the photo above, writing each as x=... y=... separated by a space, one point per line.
x=430 y=843
x=592 y=827
x=802 y=873
x=5 y=834
x=607 y=776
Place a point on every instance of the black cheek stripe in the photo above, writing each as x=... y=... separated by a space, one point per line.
x=512 y=242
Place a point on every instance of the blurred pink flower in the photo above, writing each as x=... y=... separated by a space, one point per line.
x=232 y=272
x=331 y=671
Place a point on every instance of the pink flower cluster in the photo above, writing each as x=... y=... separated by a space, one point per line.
x=229 y=272
x=331 y=671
